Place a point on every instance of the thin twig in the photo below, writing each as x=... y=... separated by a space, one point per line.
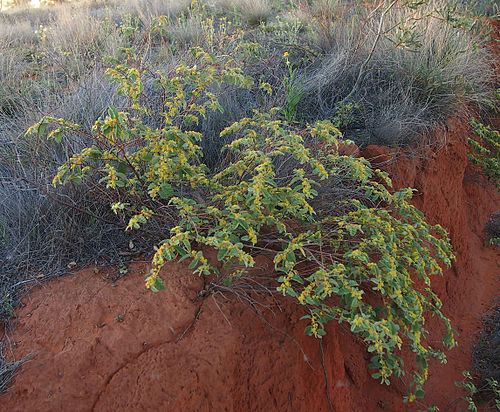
x=327 y=381
x=221 y=311
x=372 y=51
x=196 y=317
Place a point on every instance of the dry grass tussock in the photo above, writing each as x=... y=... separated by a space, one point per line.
x=399 y=93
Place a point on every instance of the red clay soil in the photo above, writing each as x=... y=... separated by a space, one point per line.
x=106 y=346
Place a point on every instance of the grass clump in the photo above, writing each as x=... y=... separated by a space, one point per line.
x=422 y=69
x=251 y=12
x=7 y=371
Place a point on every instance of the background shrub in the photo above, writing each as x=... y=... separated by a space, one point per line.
x=486 y=354
x=492 y=229
x=485 y=149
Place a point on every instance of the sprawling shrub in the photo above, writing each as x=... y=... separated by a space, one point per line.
x=367 y=261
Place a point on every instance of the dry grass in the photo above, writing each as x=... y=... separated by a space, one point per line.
x=252 y=12
x=146 y=9
x=401 y=93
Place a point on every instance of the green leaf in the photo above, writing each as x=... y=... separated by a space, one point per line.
x=419 y=393
x=158 y=286
x=166 y=191
x=221 y=254
x=112 y=112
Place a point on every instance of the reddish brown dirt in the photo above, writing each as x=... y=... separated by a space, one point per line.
x=106 y=346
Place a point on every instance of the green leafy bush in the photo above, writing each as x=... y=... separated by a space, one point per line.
x=485 y=150
x=368 y=261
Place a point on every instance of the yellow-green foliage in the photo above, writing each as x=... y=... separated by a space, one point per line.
x=485 y=150
x=370 y=265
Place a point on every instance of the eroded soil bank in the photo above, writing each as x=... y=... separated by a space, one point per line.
x=104 y=346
